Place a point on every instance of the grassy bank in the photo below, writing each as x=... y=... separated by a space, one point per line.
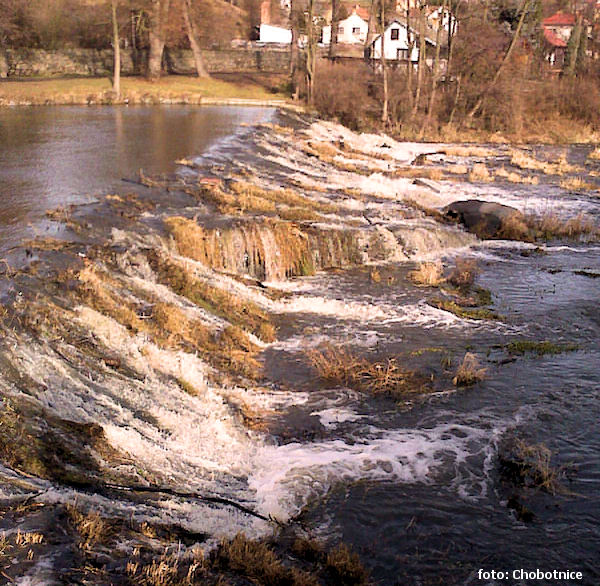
x=134 y=90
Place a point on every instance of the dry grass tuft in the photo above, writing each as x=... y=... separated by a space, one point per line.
x=289 y=253
x=345 y=567
x=523 y=161
x=235 y=309
x=432 y=173
x=515 y=227
x=91 y=527
x=170 y=327
x=457 y=169
x=464 y=273
x=513 y=177
x=576 y=184
x=480 y=172
x=259 y=563
x=595 y=154
x=166 y=571
x=467 y=151
x=530 y=465
x=469 y=371
x=550 y=226
x=428 y=274
x=24 y=539
x=340 y=367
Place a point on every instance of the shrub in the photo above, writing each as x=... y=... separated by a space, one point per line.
x=340 y=92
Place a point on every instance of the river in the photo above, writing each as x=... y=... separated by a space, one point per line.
x=415 y=487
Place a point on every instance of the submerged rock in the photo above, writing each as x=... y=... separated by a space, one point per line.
x=483 y=218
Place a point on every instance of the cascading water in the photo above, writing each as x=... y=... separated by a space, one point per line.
x=181 y=331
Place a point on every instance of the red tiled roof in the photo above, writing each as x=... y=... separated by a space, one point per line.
x=560 y=19
x=553 y=39
x=362 y=12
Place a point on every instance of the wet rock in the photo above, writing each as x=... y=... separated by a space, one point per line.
x=483 y=218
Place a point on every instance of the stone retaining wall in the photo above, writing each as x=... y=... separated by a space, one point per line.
x=23 y=63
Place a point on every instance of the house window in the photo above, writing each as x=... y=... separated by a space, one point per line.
x=356 y=30
x=340 y=30
x=402 y=54
x=395 y=34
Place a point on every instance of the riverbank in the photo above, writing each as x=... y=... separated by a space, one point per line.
x=134 y=90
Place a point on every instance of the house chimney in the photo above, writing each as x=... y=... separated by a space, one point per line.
x=265 y=12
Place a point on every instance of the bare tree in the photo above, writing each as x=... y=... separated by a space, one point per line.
x=192 y=35
x=294 y=50
x=311 y=51
x=335 y=21
x=421 y=65
x=524 y=7
x=384 y=110
x=116 y=51
x=435 y=76
x=157 y=36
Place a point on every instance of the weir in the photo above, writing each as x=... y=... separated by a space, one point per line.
x=161 y=343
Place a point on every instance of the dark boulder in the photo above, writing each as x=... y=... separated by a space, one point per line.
x=484 y=218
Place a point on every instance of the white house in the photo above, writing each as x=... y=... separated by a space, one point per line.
x=274 y=34
x=437 y=16
x=351 y=30
x=396 y=45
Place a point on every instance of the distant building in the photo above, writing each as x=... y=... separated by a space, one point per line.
x=557 y=31
x=271 y=30
x=560 y=24
x=351 y=30
x=396 y=43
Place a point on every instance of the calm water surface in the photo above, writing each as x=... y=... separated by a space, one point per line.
x=52 y=157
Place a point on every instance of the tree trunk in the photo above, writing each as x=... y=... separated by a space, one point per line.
x=513 y=43
x=116 y=52
x=311 y=52
x=294 y=50
x=436 y=67
x=372 y=27
x=156 y=35
x=335 y=20
x=192 y=34
x=409 y=66
x=384 y=110
x=421 y=65
x=573 y=49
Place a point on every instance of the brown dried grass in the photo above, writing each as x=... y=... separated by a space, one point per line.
x=339 y=366
x=258 y=562
x=464 y=273
x=595 y=154
x=428 y=274
x=480 y=173
x=344 y=567
x=237 y=310
x=432 y=173
x=220 y=248
x=576 y=184
x=513 y=177
x=467 y=151
x=170 y=327
x=91 y=527
x=469 y=371
x=522 y=160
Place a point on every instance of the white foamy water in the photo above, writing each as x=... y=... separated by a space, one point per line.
x=294 y=474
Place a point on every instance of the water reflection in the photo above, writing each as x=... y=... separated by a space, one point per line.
x=57 y=156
